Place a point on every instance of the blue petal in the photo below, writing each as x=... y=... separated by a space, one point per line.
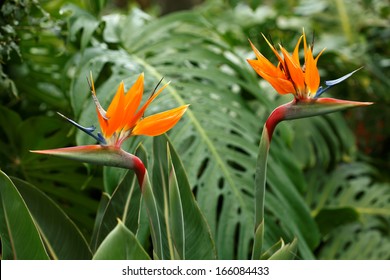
x=87 y=130
x=101 y=139
x=339 y=80
x=332 y=83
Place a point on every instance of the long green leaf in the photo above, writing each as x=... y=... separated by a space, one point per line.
x=62 y=238
x=191 y=234
x=157 y=223
x=19 y=231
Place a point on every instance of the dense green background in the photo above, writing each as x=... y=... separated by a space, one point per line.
x=328 y=182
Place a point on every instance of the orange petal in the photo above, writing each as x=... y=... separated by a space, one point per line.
x=312 y=76
x=294 y=70
x=270 y=70
x=318 y=56
x=133 y=99
x=263 y=63
x=159 y=123
x=103 y=123
x=295 y=55
x=278 y=81
x=115 y=111
x=141 y=111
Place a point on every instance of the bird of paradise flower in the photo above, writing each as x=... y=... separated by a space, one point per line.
x=289 y=76
x=123 y=119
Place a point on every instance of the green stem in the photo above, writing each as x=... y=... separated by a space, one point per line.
x=261 y=175
x=260 y=183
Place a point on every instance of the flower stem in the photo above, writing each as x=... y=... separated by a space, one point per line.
x=260 y=176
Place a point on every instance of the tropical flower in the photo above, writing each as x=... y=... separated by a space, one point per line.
x=124 y=118
x=303 y=81
x=289 y=76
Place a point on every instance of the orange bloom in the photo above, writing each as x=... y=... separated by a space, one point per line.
x=289 y=76
x=123 y=118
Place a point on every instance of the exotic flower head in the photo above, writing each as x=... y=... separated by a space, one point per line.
x=124 y=118
x=290 y=76
x=302 y=79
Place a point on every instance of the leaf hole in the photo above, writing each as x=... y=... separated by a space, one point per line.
x=195 y=190
x=203 y=167
x=238 y=149
x=221 y=183
x=338 y=191
x=347 y=246
x=236 y=166
x=246 y=192
x=359 y=195
x=219 y=206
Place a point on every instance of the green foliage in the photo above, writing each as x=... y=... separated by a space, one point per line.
x=186 y=224
x=315 y=169
x=60 y=235
x=120 y=244
x=19 y=233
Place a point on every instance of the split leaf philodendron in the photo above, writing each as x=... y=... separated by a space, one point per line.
x=303 y=81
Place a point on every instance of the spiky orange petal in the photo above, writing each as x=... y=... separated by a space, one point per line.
x=295 y=55
x=294 y=70
x=159 y=123
x=263 y=63
x=312 y=76
x=116 y=111
x=141 y=111
x=278 y=82
x=133 y=99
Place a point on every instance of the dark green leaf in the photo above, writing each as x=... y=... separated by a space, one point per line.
x=328 y=219
x=19 y=232
x=62 y=238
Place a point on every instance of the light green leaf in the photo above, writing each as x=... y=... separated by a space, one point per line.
x=286 y=251
x=19 y=231
x=190 y=231
x=124 y=204
x=157 y=224
x=80 y=21
x=120 y=244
